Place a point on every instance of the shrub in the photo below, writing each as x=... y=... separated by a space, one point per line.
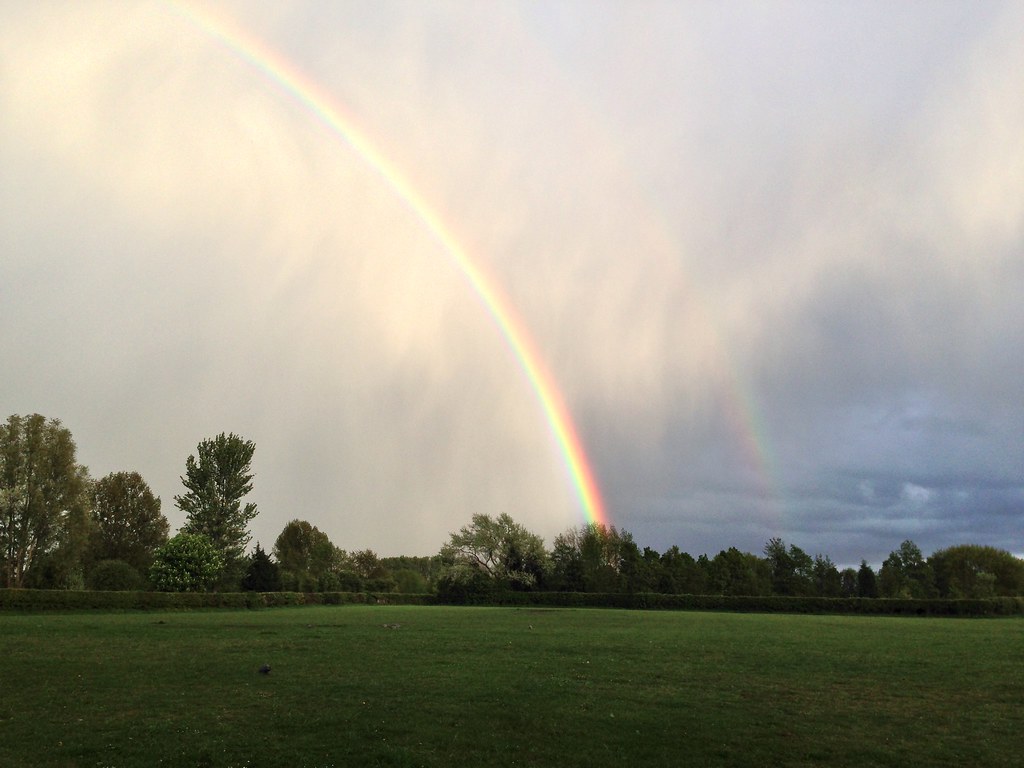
x=189 y=562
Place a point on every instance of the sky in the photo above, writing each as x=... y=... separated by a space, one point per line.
x=771 y=255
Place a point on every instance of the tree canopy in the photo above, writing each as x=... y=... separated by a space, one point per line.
x=305 y=555
x=217 y=481
x=128 y=523
x=594 y=558
x=59 y=529
x=43 y=503
x=971 y=570
x=906 y=573
x=496 y=548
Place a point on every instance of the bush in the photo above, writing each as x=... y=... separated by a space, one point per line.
x=187 y=563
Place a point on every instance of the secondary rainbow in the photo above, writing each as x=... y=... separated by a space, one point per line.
x=321 y=104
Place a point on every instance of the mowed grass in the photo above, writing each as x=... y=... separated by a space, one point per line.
x=503 y=686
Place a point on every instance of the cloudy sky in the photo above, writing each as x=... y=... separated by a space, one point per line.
x=771 y=253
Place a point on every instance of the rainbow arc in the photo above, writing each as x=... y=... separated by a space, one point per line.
x=304 y=91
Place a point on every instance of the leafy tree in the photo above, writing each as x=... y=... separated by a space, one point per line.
x=426 y=567
x=217 y=482
x=43 y=504
x=63 y=567
x=189 y=562
x=373 y=576
x=673 y=564
x=115 y=576
x=262 y=573
x=828 y=581
x=867 y=584
x=128 y=524
x=500 y=550
x=681 y=574
x=892 y=581
x=732 y=572
x=566 y=564
x=343 y=575
x=905 y=573
x=411 y=582
x=970 y=570
x=601 y=555
x=306 y=556
x=633 y=569
x=595 y=558
x=647 y=571
x=792 y=569
x=368 y=565
x=848 y=582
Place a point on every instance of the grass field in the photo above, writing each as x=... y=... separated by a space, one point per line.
x=492 y=686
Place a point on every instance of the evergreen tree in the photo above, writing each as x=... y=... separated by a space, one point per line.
x=867 y=585
x=262 y=575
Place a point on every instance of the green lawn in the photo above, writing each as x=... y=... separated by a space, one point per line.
x=501 y=686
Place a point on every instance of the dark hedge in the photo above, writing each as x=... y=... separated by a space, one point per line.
x=1001 y=606
x=66 y=600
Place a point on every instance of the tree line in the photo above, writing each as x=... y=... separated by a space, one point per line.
x=61 y=529
x=501 y=554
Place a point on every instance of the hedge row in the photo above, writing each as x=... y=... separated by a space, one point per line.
x=64 y=600
x=999 y=606
x=67 y=600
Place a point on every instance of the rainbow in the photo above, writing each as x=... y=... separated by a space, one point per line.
x=300 y=87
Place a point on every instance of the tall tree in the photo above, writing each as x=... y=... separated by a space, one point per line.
x=867 y=584
x=128 y=523
x=43 y=503
x=217 y=482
